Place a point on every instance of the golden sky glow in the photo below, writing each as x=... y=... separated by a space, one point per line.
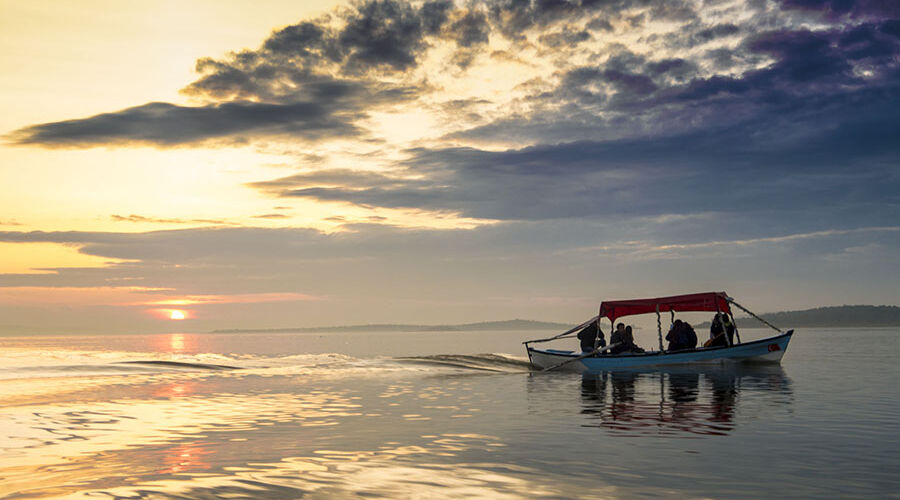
x=40 y=258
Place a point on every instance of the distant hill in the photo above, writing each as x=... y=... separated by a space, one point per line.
x=836 y=316
x=513 y=324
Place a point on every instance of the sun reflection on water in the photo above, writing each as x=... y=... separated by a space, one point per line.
x=175 y=343
x=185 y=458
x=177 y=389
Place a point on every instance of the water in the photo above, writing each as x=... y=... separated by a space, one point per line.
x=430 y=415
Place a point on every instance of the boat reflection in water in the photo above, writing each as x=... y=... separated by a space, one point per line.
x=689 y=402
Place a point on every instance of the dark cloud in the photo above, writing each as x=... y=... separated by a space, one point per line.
x=391 y=36
x=818 y=122
x=600 y=24
x=630 y=95
x=628 y=83
x=513 y=18
x=376 y=36
x=620 y=129
x=318 y=78
x=835 y=9
x=742 y=169
x=170 y=125
x=435 y=15
x=382 y=33
x=713 y=32
x=324 y=108
x=802 y=57
x=471 y=29
x=722 y=59
x=891 y=27
x=566 y=38
x=306 y=41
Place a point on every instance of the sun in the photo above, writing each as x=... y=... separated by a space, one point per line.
x=176 y=314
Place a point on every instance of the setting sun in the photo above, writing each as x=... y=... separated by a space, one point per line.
x=176 y=314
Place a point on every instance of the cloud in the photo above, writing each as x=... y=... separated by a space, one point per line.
x=385 y=33
x=380 y=36
x=166 y=124
x=837 y=9
x=717 y=31
x=770 y=111
x=646 y=250
x=748 y=168
x=159 y=220
x=318 y=79
x=773 y=80
x=809 y=116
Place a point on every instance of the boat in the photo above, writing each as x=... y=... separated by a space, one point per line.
x=767 y=350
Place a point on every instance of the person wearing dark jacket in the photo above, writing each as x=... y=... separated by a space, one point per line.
x=618 y=337
x=625 y=339
x=674 y=336
x=716 y=333
x=591 y=337
x=681 y=336
x=689 y=338
x=729 y=328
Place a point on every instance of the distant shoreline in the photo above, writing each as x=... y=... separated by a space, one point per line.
x=830 y=317
x=858 y=316
x=821 y=317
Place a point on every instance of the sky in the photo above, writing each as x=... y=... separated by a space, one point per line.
x=287 y=163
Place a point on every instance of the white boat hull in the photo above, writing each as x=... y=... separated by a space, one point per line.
x=768 y=350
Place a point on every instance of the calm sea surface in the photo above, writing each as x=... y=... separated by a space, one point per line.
x=430 y=415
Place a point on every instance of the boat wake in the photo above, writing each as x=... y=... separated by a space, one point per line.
x=476 y=362
x=180 y=364
x=329 y=365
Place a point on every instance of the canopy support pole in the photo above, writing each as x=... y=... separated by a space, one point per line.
x=659 y=327
x=737 y=332
x=742 y=308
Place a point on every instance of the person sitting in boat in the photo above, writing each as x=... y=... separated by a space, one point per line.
x=729 y=328
x=628 y=341
x=591 y=337
x=690 y=336
x=624 y=337
x=681 y=336
x=674 y=336
x=716 y=333
x=629 y=337
x=618 y=337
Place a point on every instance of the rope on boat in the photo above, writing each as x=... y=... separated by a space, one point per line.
x=566 y=333
x=779 y=330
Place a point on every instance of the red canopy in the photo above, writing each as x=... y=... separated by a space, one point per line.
x=709 y=301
